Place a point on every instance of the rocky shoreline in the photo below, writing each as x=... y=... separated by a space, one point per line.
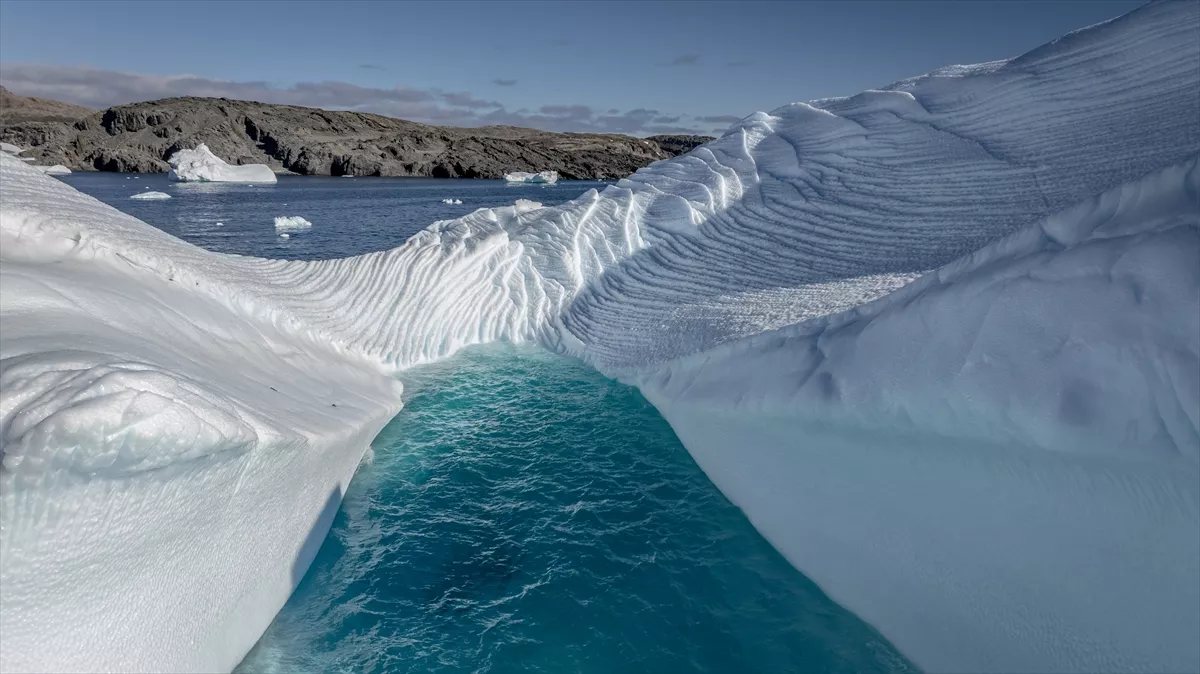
x=139 y=137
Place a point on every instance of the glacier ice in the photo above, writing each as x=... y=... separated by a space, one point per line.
x=540 y=178
x=940 y=342
x=291 y=223
x=201 y=165
x=151 y=195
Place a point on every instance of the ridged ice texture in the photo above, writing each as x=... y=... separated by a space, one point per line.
x=800 y=213
x=996 y=466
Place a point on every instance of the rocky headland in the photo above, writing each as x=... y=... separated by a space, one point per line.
x=139 y=137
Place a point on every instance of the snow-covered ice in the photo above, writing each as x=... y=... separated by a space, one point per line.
x=151 y=195
x=540 y=178
x=939 y=341
x=291 y=223
x=201 y=165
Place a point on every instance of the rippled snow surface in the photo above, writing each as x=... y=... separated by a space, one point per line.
x=525 y=514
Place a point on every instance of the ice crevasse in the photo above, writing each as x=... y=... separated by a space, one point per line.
x=940 y=342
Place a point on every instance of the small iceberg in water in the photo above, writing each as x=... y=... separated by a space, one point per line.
x=542 y=178
x=150 y=196
x=291 y=223
x=452 y=201
x=56 y=170
x=201 y=165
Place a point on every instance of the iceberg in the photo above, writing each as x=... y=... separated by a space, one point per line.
x=9 y=148
x=939 y=341
x=291 y=223
x=452 y=201
x=540 y=178
x=201 y=165
x=151 y=195
x=56 y=170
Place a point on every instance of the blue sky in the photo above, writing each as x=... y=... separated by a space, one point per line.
x=635 y=67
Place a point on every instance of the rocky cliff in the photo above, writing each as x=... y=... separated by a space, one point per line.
x=310 y=141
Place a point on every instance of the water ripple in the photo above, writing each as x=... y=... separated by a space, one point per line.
x=525 y=514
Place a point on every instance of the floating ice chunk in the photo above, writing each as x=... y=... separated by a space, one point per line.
x=291 y=223
x=284 y=235
x=526 y=205
x=27 y=159
x=201 y=165
x=451 y=201
x=9 y=148
x=220 y=224
x=541 y=178
x=56 y=170
x=151 y=195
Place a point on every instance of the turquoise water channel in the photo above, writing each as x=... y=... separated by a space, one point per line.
x=525 y=514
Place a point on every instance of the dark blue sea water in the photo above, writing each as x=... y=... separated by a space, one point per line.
x=522 y=513
x=350 y=216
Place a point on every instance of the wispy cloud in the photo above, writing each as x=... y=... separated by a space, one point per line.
x=719 y=119
x=371 y=66
x=684 y=60
x=98 y=88
x=463 y=99
x=504 y=83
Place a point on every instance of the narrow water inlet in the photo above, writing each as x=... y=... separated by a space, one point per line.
x=524 y=513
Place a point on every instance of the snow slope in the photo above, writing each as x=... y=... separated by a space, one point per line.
x=941 y=342
x=201 y=165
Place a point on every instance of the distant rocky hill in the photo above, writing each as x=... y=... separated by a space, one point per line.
x=679 y=144
x=16 y=109
x=310 y=141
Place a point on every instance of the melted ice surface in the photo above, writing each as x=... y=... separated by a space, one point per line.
x=940 y=342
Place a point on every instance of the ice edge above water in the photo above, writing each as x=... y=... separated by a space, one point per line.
x=940 y=342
